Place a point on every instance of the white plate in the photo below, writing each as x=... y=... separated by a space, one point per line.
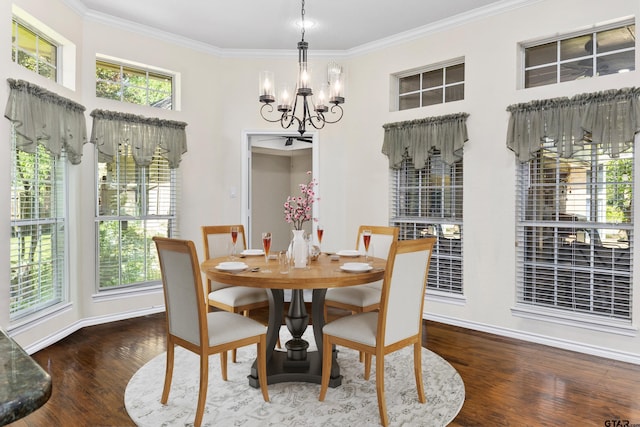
x=346 y=252
x=355 y=267
x=232 y=266
x=252 y=252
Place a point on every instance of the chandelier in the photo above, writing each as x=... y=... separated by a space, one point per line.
x=299 y=106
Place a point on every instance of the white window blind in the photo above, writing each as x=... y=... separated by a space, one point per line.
x=428 y=202
x=134 y=204
x=37 y=243
x=574 y=232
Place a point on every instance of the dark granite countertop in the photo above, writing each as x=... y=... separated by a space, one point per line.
x=24 y=385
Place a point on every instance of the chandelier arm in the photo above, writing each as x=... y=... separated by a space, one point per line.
x=333 y=112
x=269 y=111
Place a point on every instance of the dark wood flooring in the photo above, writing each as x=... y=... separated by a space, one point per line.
x=507 y=382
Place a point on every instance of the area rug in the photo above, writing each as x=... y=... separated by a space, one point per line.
x=354 y=403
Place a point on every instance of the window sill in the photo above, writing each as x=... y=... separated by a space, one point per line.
x=620 y=327
x=36 y=319
x=131 y=291
x=445 y=297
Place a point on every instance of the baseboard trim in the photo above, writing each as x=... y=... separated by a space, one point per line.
x=538 y=339
x=90 y=321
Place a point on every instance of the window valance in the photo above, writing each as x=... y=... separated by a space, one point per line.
x=419 y=138
x=143 y=134
x=41 y=116
x=610 y=118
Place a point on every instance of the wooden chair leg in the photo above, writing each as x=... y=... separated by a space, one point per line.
x=326 y=367
x=417 y=367
x=382 y=406
x=234 y=355
x=168 y=374
x=262 y=367
x=223 y=365
x=367 y=366
x=202 y=393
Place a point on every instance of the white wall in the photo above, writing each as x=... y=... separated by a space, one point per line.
x=219 y=102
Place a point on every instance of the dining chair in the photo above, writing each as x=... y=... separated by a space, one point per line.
x=397 y=324
x=192 y=326
x=363 y=298
x=235 y=299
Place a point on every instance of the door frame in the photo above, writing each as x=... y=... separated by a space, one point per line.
x=247 y=136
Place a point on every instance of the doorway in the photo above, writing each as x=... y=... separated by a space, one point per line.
x=276 y=163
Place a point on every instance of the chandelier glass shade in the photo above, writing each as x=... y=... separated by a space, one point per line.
x=297 y=105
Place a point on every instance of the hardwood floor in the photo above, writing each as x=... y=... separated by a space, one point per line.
x=507 y=382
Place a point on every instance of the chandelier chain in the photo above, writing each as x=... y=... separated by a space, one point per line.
x=302 y=20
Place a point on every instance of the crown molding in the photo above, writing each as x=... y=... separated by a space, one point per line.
x=452 y=22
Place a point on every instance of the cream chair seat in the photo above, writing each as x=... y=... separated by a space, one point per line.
x=396 y=325
x=190 y=325
x=235 y=299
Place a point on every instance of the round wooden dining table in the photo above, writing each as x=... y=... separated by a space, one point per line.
x=295 y=364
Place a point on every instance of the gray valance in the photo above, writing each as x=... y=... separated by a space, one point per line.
x=144 y=135
x=610 y=118
x=41 y=116
x=419 y=138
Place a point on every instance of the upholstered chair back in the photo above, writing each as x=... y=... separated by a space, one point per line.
x=183 y=293
x=403 y=291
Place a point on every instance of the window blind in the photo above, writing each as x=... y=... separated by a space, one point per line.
x=575 y=232
x=37 y=243
x=134 y=204
x=428 y=202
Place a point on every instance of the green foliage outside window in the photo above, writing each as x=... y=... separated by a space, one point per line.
x=33 y=51
x=134 y=85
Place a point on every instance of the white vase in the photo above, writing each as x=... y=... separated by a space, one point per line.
x=299 y=249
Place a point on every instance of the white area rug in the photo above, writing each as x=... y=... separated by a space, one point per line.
x=354 y=403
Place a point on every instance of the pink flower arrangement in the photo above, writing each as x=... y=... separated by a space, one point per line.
x=297 y=210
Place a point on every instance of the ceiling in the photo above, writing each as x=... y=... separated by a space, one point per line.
x=338 y=25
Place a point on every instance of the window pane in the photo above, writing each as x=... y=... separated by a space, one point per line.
x=454 y=93
x=455 y=73
x=575 y=70
x=431 y=97
x=105 y=71
x=27 y=40
x=539 y=55
x=433 y=78
x=540 y=76
x=614 y=63
x=618 y=38
x=409 y=84
x=108 y=90
x=576 y=47
x=409 y=101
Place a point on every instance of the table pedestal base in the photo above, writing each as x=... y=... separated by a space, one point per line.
x=296 y=364
x=282 y=370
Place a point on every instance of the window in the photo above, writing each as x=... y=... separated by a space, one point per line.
x=33 y=50
x=37 y=245
x=431 y=86
x=134 y=84
x=428 y=202
x=574 y=232
x=134 y=204
x=598 y=53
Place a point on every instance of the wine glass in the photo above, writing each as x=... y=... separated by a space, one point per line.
x=320 y=232
x=266 y=245
x=234 y=239
x=366 y=238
